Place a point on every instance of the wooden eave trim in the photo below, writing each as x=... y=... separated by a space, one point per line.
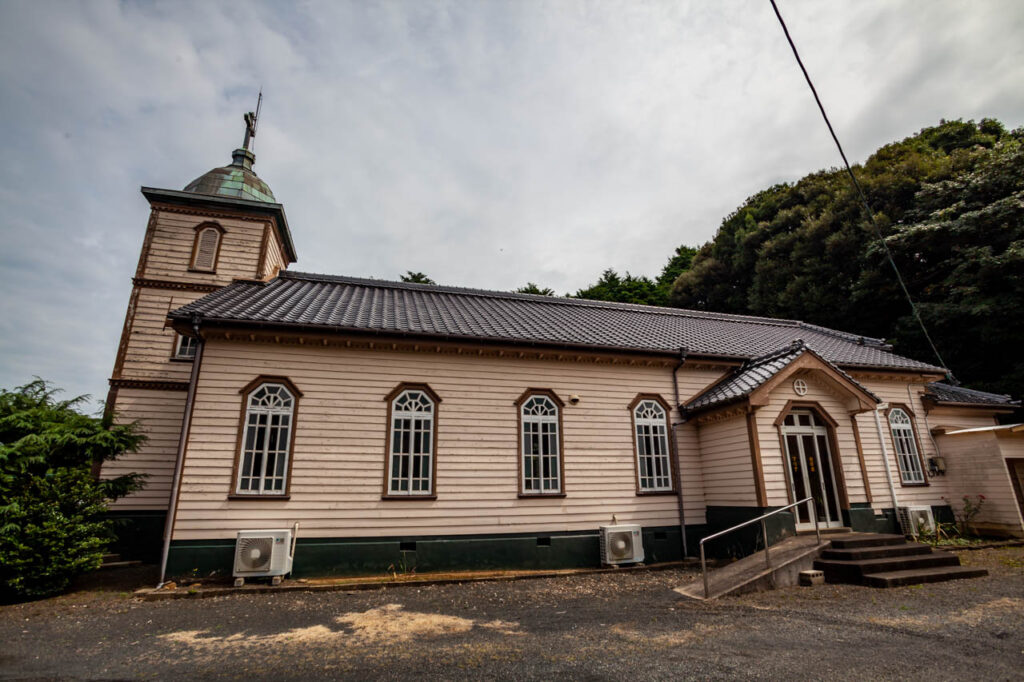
x=932 y=404
x=807 y=361
x=179 y=286
x=147 y=243
x=150 y=384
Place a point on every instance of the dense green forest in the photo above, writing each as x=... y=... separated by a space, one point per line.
x=949 y=202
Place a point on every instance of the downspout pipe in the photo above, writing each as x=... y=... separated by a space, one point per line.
x=675 y=449
x=885 y=459
x=179 y=463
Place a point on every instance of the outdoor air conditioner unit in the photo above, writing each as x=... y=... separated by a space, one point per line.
x=915 y=520
x=264 y=553
x=622 y=544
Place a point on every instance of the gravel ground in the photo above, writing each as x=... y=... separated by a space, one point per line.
x=610 y=626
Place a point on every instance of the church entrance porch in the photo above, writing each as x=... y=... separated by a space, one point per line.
x=810 y=470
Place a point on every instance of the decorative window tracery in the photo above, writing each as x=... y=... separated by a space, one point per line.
x=652 y=450
x=411 y=444
x=541 y=446
x=905 y=442
x=263 y=464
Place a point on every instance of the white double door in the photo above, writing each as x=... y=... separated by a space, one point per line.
x=810 y=469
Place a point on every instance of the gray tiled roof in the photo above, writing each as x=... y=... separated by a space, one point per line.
x=947 y=393
x=753 y=373
x=303 y=300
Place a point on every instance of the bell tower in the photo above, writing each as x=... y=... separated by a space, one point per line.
x=223 y=226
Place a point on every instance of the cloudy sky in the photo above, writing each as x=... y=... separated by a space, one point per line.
x=486 y=144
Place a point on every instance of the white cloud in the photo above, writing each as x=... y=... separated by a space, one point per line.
x=486 y=144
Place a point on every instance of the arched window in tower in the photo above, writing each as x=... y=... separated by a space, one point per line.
x=207 y=247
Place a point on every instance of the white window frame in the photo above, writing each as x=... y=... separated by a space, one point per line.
x=411 y=445
x=653 y=457
x=267 y=412
x=541 y=432
x=904 y=442
x=185 y=347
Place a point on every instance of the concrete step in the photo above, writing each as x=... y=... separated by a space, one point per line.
x=935 y=574
x=859 y=540
x=859 y=553
x=826 y=531
x=838 y=571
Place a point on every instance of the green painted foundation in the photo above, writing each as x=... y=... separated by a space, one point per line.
x=367 y=556
x=743 y=541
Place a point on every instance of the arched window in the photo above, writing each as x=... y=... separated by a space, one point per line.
x=540 y=424
x=653 y=467
x=411 y=441
x=206 y=247
x=905 y=442
x=266 y=440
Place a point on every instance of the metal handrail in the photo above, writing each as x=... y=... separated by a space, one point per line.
x=764 y=531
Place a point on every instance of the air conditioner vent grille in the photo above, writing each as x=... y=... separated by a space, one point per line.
x=254 y=553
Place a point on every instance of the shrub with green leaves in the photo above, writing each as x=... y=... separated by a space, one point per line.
x=52 y=524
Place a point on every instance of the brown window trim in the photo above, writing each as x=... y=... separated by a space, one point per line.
x=195 y=247
x=233 y=493
x=527 y=394
x=390 y=399
x=917 y=444
x=640 y=397
x=174 y=347
x=831 y=427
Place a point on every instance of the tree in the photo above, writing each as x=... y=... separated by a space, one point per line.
x=628 y=289
x=532 y=288
x=947 y=201
x=52 y=524
x=416 y=278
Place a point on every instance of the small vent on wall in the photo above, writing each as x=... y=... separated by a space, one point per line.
x=543 y=542
x=408 y=546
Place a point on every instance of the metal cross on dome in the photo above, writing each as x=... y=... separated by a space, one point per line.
x=250 y=121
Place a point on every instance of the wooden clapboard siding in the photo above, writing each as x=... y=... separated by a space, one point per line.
x=173 y=238
x=338 y=460
x=975 y=464
x=160 y=413
x=773 y=458
x=908 y=393
x=727 y=469
x=273 y=258
x=150 y=343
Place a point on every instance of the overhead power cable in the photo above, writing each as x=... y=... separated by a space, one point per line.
x=860 y=193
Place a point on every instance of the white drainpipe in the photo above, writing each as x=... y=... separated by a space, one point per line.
x=885 y=458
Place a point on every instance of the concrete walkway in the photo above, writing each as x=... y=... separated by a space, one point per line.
x=752 y=574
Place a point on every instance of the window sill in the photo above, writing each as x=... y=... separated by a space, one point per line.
x=406 y=498
x=204 y=272
x=535 y=496
x=914 y=485
x=656 y=493
x=237 y=496
x=177 y=359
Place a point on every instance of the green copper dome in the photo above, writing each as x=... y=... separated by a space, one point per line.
x=237 y=180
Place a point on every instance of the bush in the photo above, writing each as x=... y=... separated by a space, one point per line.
x=52 y=524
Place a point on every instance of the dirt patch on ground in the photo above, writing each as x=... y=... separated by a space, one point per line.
x=390 y=624
x=971 y=617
